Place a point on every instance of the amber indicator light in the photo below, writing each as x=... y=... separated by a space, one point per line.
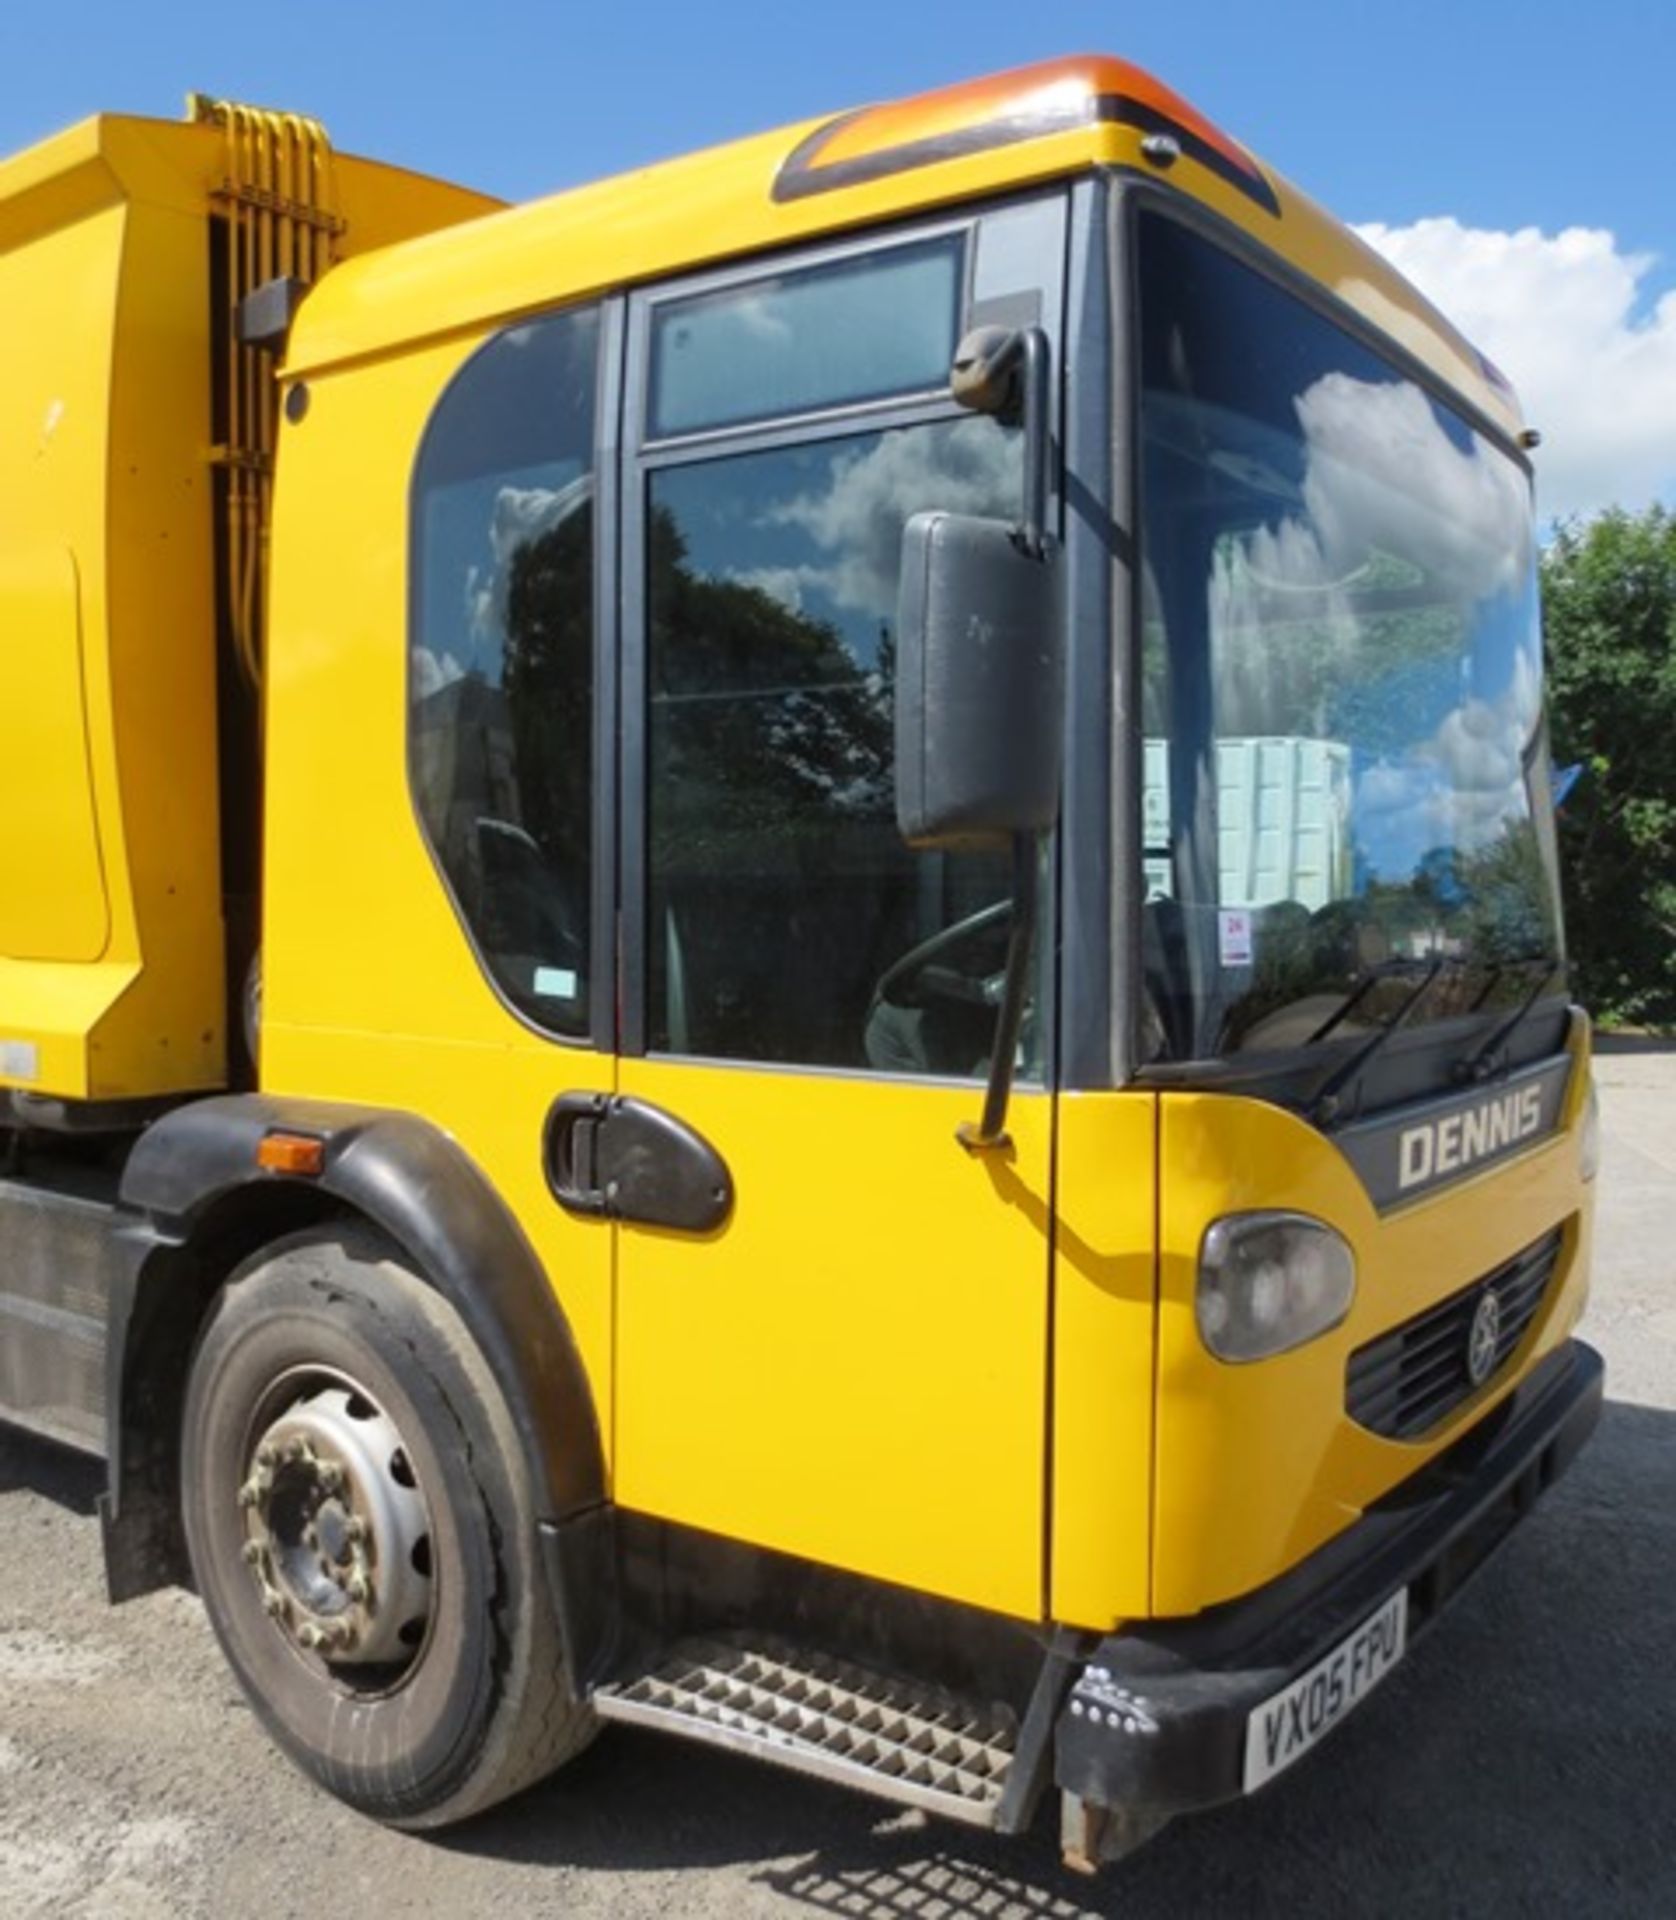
x=291 y=1153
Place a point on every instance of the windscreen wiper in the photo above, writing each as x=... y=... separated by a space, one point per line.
x=1326 y=1103
x=1365 y=982
x=1488 y=1058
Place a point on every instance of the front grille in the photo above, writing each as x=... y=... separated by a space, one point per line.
x=1409 y=1379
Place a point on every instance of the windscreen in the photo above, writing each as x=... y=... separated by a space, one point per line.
x=1345 y=797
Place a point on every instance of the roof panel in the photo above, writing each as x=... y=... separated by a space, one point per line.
x=871 y=164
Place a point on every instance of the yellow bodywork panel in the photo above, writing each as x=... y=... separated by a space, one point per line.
x=54 y=905
x=1258 y=1465
x=853 y=1369
x=1105 y=1300
x=371 y=991
x=61 y=240
x=112 y=976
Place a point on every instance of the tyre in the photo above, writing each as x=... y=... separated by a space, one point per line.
x=361 y=1530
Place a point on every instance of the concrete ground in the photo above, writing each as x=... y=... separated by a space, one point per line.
x=1523 y=1760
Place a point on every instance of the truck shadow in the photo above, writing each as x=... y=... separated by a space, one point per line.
x=60 y=1474
x=1523 y=1758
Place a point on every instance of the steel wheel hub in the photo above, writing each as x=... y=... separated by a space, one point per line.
x=337 y=1535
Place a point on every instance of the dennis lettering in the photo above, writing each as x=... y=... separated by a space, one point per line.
x=1440 y=1147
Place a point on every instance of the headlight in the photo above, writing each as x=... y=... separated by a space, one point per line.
x=1588 y=1136
x=1270 y=1281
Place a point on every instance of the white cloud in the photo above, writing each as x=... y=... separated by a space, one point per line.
x=763 y=321
x=1382 y=471
x=1460 y=787
x=1565 y=316
x=523 y=514
x=433 y=671
x=1381 y=476
x=784 y=584
x=858 y=514
x=480 y=590
x=520 y=515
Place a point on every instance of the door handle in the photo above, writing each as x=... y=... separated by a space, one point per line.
x=612 y=1157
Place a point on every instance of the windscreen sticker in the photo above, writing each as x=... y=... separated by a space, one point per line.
x=556 y=983
x=1233 y=935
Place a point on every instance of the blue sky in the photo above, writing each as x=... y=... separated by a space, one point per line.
x=1504 y=112
x=1496 y=115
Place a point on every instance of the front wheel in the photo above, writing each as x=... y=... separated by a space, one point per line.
x=362 y=1534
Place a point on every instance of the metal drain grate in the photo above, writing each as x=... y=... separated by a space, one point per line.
x=829 y=1718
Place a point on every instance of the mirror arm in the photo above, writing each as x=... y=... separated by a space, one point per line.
x=990 y=1132
x=1037 y=440
x=1005 y=373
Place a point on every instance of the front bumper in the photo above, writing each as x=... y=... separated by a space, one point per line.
x=1156 y=1721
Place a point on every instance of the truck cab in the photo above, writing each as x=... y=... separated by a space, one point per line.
x=909 y=921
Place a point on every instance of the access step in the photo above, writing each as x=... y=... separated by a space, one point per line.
x=826 y=1717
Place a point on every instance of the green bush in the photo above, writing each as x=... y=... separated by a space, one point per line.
x=1609 y=590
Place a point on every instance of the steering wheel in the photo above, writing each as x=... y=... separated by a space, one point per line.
x=929 y=1014
x=936 y=980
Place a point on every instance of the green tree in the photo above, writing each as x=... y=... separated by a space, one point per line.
x=764 y=722
x=548 y=676
x=1610 y=597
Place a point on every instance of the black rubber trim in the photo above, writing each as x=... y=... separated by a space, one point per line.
x=802 y=173
x=1093 y=979
x=1028 y=1776
x=1188 y=1686
x=420 y=1188
x=580 y=1558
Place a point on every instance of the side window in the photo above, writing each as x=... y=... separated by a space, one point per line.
x=853 y=331
x=501 y=669
x=787 y=920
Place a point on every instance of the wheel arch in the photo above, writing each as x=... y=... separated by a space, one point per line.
x=198 y=1205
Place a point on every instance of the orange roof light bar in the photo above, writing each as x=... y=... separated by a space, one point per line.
x=1028 y=103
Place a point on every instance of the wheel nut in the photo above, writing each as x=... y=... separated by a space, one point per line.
x=311 y=1636
x=253 y=1553
x=267 y=1455
x=273 y=1603
x=359 y=1588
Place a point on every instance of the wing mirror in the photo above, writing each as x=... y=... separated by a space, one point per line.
x=980 y=673
x=980 y=676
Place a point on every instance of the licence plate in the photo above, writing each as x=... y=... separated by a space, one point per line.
x=1286 y=1725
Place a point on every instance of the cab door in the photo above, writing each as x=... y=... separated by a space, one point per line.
x=852 y=1365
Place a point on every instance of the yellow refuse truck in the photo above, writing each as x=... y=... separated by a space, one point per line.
x=678 y=1042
